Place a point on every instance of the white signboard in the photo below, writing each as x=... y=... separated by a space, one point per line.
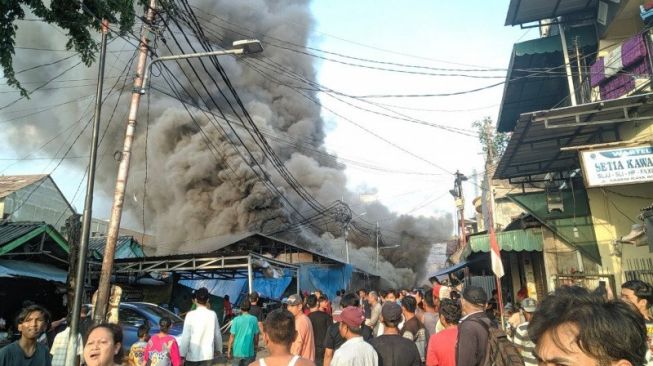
x=623 y=165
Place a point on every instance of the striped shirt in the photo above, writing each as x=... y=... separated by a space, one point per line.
x=525 y=345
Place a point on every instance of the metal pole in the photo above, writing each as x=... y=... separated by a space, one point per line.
x=490 y=210
x=347 y=243
x=72 y=345
x=565 y=53
x=298 y=287
x=376 y=267
x=580 y=71
x=250 y=275
x=148 y=69
x=121 y=179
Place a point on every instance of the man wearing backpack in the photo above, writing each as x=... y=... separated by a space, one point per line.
x=472 y=334
x=480 y=342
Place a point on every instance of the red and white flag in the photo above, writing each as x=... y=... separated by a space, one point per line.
x=495 y=255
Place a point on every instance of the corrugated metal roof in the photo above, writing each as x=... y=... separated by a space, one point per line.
x=12 y=183
x=11 y=231
x=125 y=247
x=526 y=11
x=536 y=76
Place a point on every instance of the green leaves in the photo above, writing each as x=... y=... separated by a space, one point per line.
x=80 y=19
x=489 y=138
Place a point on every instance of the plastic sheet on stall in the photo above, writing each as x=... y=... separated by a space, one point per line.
x=326 y=278
x=10 y=268
x=271 y=288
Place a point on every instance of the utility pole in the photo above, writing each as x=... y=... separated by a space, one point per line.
x=457 y=193
x=347 y=242
x=81 y=251
x=123 y=170
x=344 y=215
x=490 y=210
x=376 y=267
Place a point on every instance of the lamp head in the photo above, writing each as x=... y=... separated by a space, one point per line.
x=249 y=46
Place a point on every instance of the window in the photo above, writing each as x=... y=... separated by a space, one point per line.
x=131 y=317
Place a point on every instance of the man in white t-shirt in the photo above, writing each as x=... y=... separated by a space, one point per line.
x=201 y=339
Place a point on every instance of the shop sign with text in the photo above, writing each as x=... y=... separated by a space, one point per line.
x=623 y=165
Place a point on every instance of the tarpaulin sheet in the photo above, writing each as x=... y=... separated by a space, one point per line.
x=271 y=288
x=326 y=278
x=9 y=268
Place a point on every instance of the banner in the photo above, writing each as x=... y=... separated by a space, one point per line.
x=623 y=165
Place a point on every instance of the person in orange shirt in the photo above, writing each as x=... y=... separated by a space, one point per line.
x=304 y=344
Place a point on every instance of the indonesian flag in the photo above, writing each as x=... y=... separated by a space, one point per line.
x=495 y=255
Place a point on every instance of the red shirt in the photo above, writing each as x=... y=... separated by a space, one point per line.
x=227 y=309
x=442 y=348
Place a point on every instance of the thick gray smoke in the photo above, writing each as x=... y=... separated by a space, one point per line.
x=197 y=190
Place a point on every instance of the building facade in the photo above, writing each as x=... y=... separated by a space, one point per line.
x=579 y=106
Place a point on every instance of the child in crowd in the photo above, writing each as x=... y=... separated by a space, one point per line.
x=137 y=351
x=162 y=349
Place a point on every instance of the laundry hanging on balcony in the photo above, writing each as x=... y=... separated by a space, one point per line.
x=623 y=69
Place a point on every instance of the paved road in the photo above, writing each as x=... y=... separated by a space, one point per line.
x=222 y=360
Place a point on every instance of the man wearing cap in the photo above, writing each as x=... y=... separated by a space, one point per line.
x=521 y=338
x=304 y=344
x=393 y=349
x=472 y=334
x=333 y=340
x=355 y=351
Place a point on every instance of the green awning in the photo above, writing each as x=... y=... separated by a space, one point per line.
x=573 y=225
x=15 y=234
x=536 y=78
x=514 y=240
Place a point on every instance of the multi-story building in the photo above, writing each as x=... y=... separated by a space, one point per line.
x=579 y=106
x=34 y=198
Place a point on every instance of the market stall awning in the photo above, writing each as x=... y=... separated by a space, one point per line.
x=535 y=145
x=515 y=240
x=452 y=269
x=536 y=78
x=527 y=11
x=13 y=269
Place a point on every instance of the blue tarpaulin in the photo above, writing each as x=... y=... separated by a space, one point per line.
x=9 y=268
x=328 y=279
x=271 y=288
x=454 y=268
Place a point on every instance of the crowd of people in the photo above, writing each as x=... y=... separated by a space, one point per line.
x=571 y=326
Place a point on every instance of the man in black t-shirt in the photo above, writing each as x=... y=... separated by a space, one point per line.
x=333 y=340
x=413 y=329
x=257 y=312
x=393 y=349
x=31 y=322
x=320 y=322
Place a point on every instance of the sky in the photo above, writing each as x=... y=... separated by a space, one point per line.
x=439 y=34
x=435 y=34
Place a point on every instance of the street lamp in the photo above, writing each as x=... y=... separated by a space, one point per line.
x=140 y=85
x=347 y=222
x=242 y=47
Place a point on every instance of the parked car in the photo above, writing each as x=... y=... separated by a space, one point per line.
x=132 y=315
